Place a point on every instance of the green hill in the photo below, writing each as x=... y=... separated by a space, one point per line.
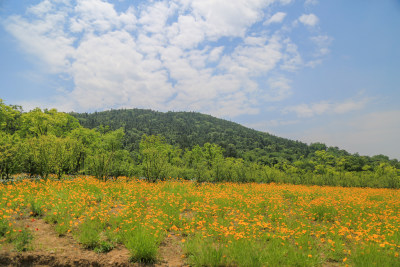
x=187 y=129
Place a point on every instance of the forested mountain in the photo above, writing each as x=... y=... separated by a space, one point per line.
x=187 y=129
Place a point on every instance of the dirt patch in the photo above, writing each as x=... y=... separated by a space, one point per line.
x=49 y=249
x=171 y=252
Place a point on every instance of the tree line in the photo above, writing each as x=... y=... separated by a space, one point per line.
x=188 y=129
x=44 y=142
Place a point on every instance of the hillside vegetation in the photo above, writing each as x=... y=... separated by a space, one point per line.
x=156 y=145
x=188 y=129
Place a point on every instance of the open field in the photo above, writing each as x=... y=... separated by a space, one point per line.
x=85 y=221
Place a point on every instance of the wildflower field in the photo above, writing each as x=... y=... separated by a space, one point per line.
x=223 y=224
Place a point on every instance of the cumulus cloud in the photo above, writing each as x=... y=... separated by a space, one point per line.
x=292 y=59
x=201 y=55
x=227 y=18
x=327 y=107
x=322 y=43
x=310 y=2
x=309 y=19
x=279 y=89
x=44 y=39
x=276 y=18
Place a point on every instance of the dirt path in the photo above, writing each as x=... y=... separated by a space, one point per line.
x=48 y=249
x=170 y=252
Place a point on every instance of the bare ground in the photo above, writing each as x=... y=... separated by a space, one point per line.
x=48 y=249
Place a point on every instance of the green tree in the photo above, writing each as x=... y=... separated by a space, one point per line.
x=38 y=153
x=103 y=153
x=86 y=139
x=10 y=154
x=9 y=117
x=155 y=154
x=38 y=123
x=387 y=175
x=65 y=154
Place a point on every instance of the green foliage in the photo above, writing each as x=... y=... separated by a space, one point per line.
x=324 y=213
x=4 y=228
x=89 y=233
x=38 y=154
x=10 y=154
x=188 y=129
x=104 y=247
x=102 y=153
x=9 y=117
x=174 y=144
x=374 y=255
x=62 y=226
x=142 y=244
x=21 y=239
x=66 y=153
x=156 y=155
x=36 y=207
x=203 y=252
x=37 y=123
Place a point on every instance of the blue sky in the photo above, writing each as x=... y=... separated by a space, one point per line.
x=310 y=70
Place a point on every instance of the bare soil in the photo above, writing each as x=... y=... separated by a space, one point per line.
x=49 y=249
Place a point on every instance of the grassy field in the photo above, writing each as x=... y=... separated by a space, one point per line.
x=222 y=224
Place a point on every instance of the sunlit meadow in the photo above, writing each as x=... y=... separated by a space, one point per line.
x=223 y=224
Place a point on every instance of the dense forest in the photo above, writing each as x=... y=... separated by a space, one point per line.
x=187 y=129
x=154 y=145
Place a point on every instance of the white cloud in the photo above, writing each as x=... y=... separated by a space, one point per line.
x=327 y=107
x=107 y=71
x=154 y=17
x=227 y=18
x=350 y=105
x=96 y=15
x=276 y=18
x=310 y=2
x=215 y=54
x=189 y=32
x=322 y=43
x=44 y=39
x=309 y=19
x=279 y=89
x=198 y=55
x=286 y=2
x=254 y=58
x=41 y=8
x=292 y=59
